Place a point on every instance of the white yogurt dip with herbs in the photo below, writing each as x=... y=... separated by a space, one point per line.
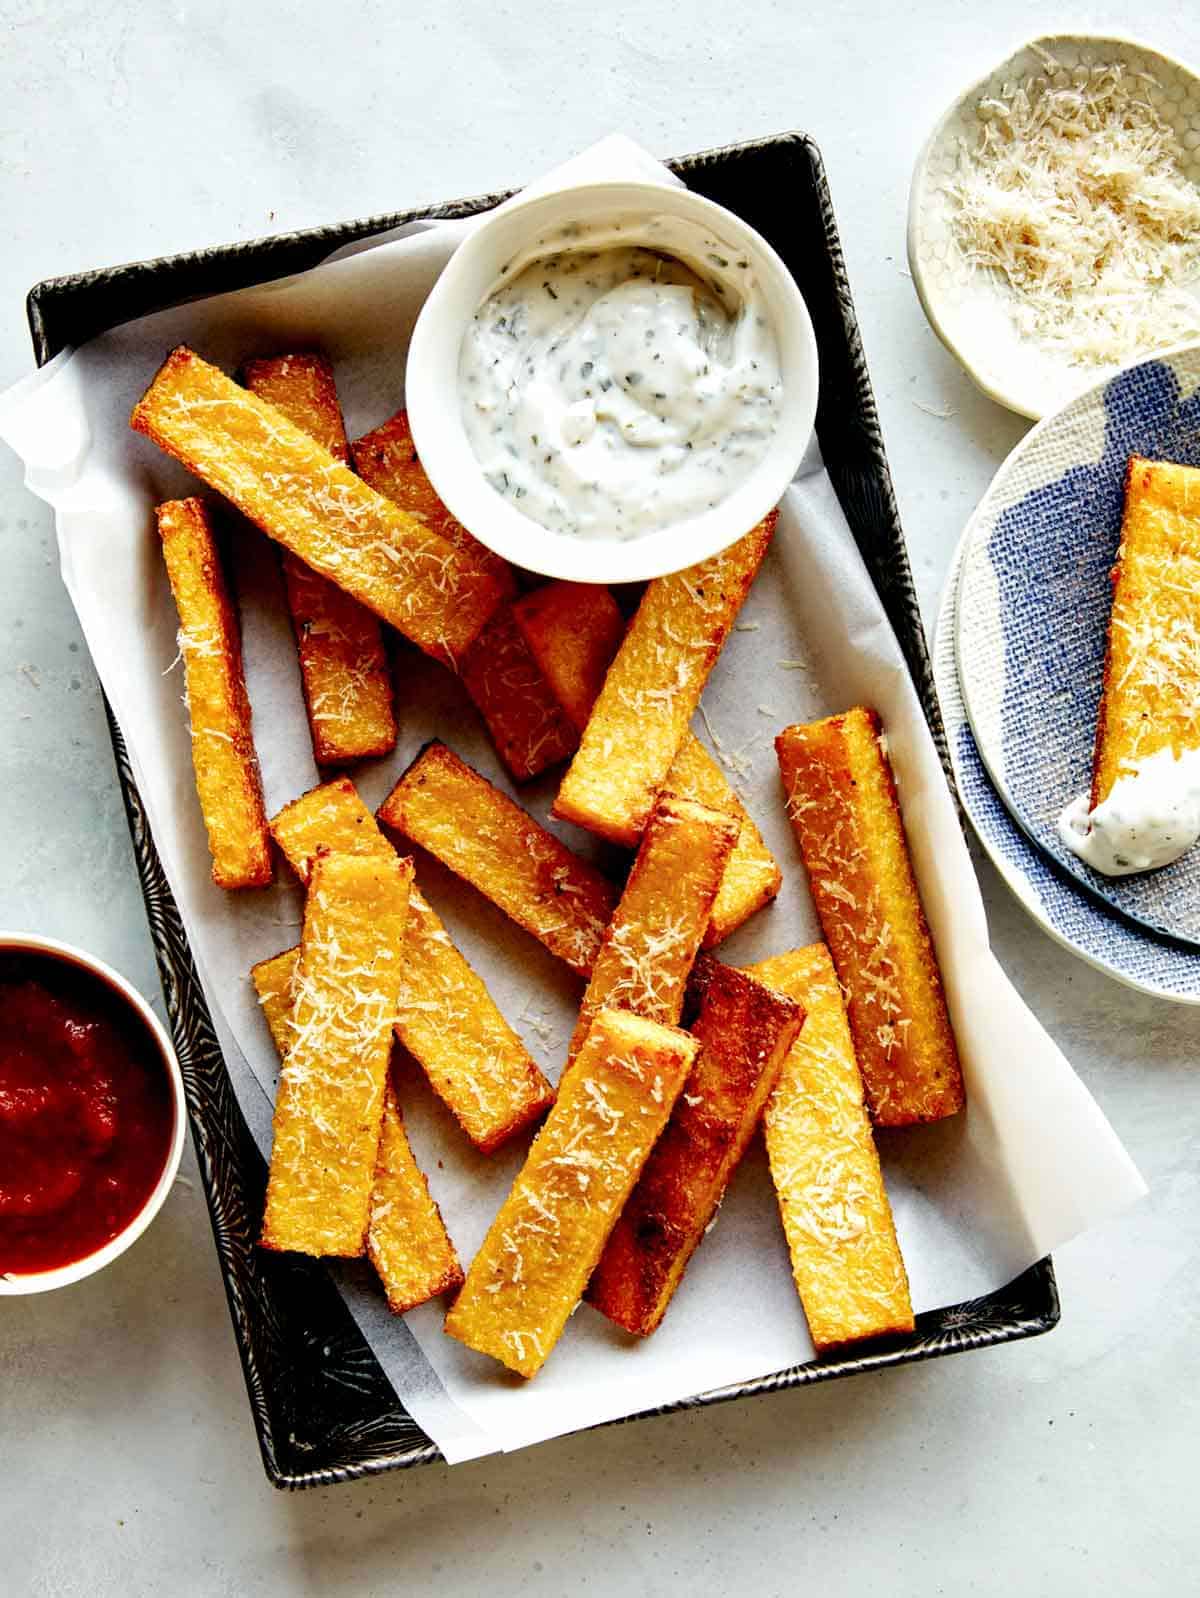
x=1150 y=818
x=621 y=378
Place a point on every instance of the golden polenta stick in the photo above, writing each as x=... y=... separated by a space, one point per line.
x=329 y=1108
x=653 y=687
x=835 y=1210
x=1151 y=698
x=406 y=1238
x=841 y=798
x=407 y=1241
x=445 y=1016
x=540 y=1250
x=343 y=663
x=650 y=944
x=386 y=458
x=311 y=504
x=227 y=776
x=744 y=1031
x=574 y=630
x=498 y=848
x=752 y=876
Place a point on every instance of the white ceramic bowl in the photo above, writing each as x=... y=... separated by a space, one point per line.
x=432 y=389
x=970 y=310
x=62 y=1275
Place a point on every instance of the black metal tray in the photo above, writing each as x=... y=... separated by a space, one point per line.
x=323 y=1409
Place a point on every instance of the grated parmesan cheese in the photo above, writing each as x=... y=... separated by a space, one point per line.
x=1074 y=195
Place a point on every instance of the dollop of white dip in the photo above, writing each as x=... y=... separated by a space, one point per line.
x=621 y=378
x=1150 y=818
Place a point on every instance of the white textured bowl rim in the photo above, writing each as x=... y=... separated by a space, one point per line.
x=1011 y=400
x=432 y=396
x=17 y=1284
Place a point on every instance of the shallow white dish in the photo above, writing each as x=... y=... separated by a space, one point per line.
x=432 y=389
x=969 y=309
x=19 y=1283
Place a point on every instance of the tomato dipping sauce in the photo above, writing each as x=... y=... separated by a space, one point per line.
x=87 y=1113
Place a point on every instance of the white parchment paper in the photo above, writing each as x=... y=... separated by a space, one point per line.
x=977 y=1199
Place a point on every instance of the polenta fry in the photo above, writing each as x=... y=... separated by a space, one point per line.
x=574 y=631
x=652 y=689
x=227 y=777
x=651 y=942
x=543 y=1245
x=836 y=1216
x=841 y=798
x=489 y=841
x=300 y=496
x=445 y=1016
x=329 y=1107
x=343 y=663
x=744 y=1031
x=406 y=1239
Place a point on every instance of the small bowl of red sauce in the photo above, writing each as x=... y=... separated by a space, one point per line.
x=91 y=1114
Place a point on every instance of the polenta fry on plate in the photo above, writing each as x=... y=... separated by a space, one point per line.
x=651 y=942
x=228 y=783
x=329 y=1107
x=652 y=689
x=543 y=1245
x=299 y=495
x=445 y=1016
x=343 y=662
x=744 y=1030
x=489 y=841
x=407 y=1240
x=841 y=799
x=825 y=1169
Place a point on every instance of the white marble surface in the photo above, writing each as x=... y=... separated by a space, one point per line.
x=131 y=128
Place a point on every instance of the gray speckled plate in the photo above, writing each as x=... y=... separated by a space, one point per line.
x=970 y=309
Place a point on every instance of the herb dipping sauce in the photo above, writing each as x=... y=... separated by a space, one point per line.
x=621 y=378
x=86 y=1114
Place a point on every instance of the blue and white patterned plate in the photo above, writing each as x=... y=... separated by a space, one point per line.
x=1133 y=955
x=1019 y=659
x=1034 y=602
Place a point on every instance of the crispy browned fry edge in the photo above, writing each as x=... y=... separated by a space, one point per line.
x=406 y=1239
x=540 y=1250
x=1151 y=693
x=841 y=799
x=651 y=942
x=445 y=1018
x=652 y=688
x=343 y=662
x=228 y=783
x=386 y=458
x=489 y=841
x=574 y=630
x=527 y=724
x=299 y=495
x=835 y=1211
x=744 y=1030
x=329 y=1107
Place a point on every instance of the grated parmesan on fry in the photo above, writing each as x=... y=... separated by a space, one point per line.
x=1074 y=195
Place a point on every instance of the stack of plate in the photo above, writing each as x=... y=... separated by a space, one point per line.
x=1019 y=659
